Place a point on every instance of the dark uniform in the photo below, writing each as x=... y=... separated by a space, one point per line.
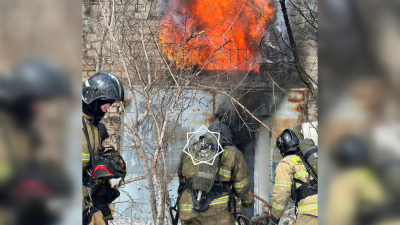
x=95 y=142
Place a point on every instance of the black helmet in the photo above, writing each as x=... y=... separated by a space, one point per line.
x=351 y=152
x=33 y=79
x=102 y=86
x=103 y=132
x=226 y=136
x=287 y=142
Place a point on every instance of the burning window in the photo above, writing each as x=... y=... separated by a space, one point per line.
x=215 y=35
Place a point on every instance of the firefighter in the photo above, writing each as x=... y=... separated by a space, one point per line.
x=99 y=92
x=229 y=188
x=356 y=181
x=24 y=91
x=293 y=180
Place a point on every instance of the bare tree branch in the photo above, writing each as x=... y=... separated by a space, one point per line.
x=302 y=74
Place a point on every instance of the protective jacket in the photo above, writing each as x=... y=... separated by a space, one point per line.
x=233 y=170
x=15 y=147
x=95 y=140
x=19 y=168
x=288 y=169
x=355 y=194
x=95 y=217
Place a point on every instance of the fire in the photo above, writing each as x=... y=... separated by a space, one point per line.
x=215 y=35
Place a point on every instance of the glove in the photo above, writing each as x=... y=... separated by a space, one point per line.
x=106 y=211
x=273 y=221
x=90 y=214
x=306 y=145
x=248 y=201
x=116 y=161
x=266 y=209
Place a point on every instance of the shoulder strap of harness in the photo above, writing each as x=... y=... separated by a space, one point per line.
x=306 y=189
x=219 y=168
x=308 y=167
x=182 y=187
x=180 y=175
x=10 y=151
x=232 y=197
x=309 y=153
x=84 y=128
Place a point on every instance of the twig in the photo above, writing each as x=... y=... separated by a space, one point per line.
x=117 y=185
x=269 y=205
x=242 y=106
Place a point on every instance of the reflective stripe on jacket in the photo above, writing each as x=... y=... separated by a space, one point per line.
x=94 y=137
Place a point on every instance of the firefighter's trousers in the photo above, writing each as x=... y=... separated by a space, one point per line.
x=224 y=218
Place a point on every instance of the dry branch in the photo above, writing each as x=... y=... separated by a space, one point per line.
x=237 y=102
x=269 y=205
x=300 y=71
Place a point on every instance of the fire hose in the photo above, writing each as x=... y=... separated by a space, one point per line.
x=270 y=206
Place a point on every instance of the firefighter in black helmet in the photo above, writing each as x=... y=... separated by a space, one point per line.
x=99 y=92
x=356 y=180
x=287 y=142
x=291 y=175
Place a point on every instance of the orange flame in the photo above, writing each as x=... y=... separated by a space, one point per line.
x=215 y=35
